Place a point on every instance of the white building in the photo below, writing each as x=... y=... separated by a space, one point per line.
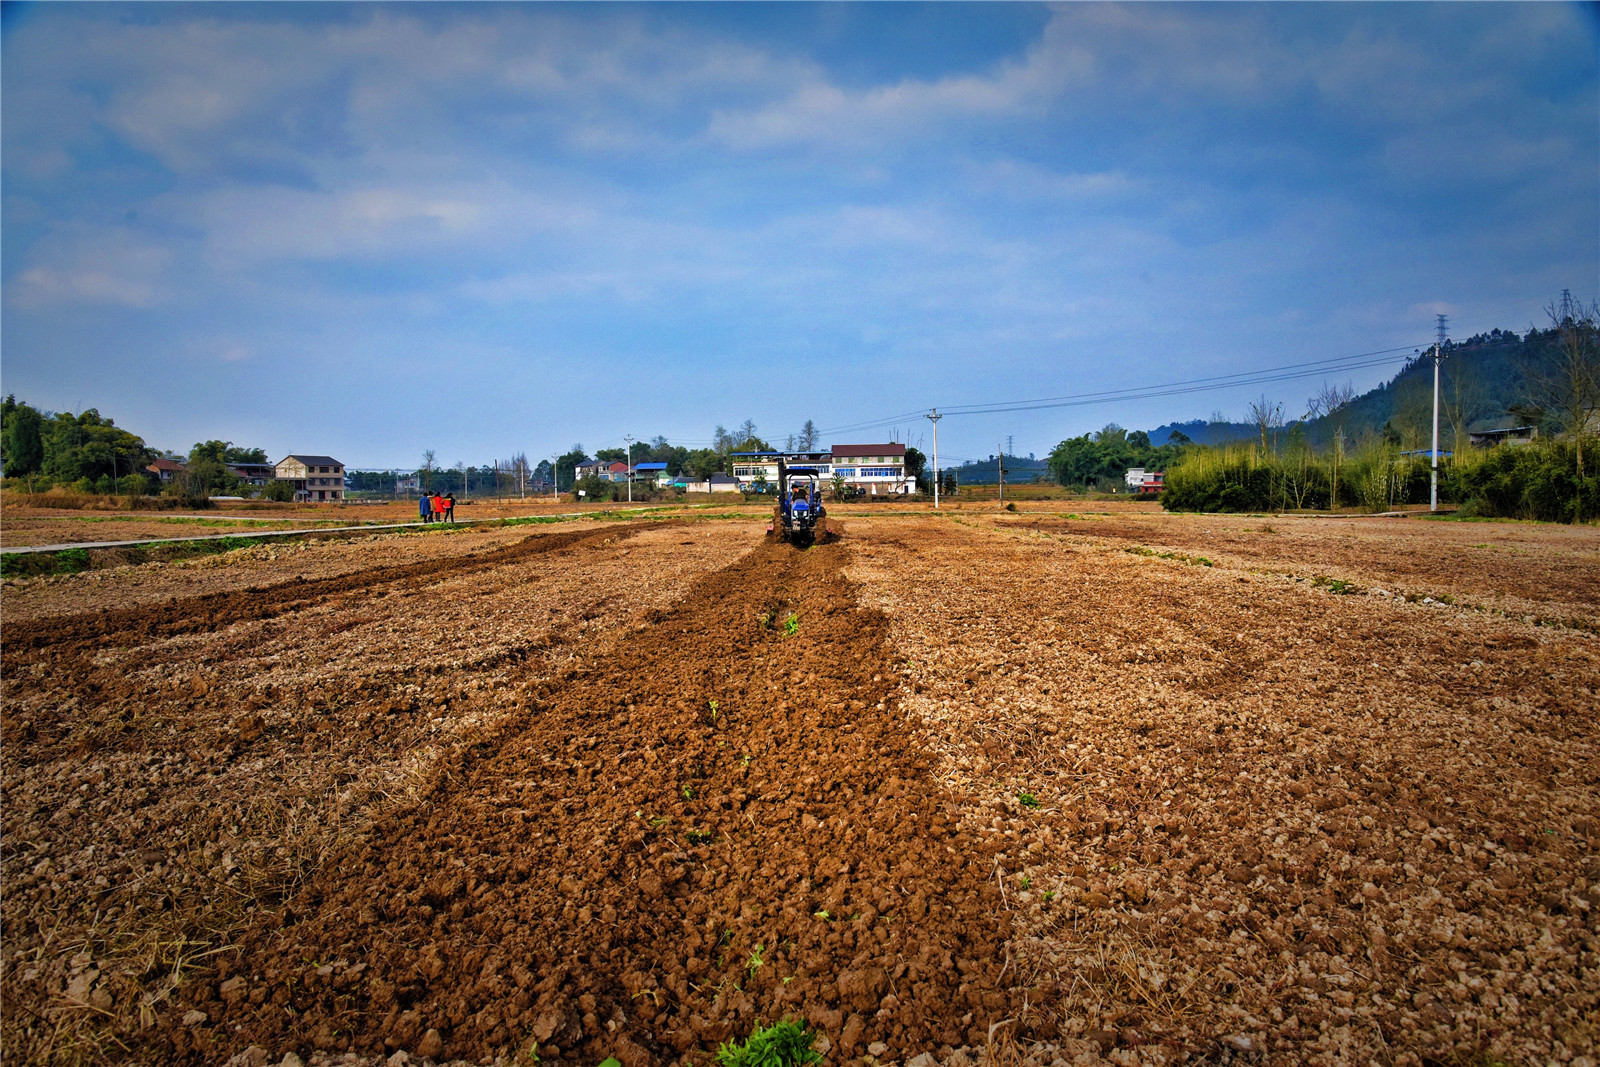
x=314 y=477
x=874 y=469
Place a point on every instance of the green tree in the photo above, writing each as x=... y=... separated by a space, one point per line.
x=1564 y=378
x=22 y=440
x=88 y=446
x=703 y=463
x=565 y=473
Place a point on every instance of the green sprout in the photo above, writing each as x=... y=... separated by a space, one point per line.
x=823 y=914
x=753 y=964
x=1027 y=800
x=688 y=792
x=791 y=625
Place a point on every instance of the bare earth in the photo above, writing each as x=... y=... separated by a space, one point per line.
x=1033 y=786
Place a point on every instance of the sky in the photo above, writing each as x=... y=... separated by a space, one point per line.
x=367 y=230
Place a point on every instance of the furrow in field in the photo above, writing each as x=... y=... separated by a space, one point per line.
x=724 y=823
x=213 y=611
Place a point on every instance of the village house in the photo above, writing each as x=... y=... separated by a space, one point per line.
x=166 y=469
x=313 y=477
x=589 y=468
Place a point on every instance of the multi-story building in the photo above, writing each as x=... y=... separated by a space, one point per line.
x=313 y=477
x=874 y=469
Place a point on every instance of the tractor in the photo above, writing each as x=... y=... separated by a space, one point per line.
x=799 y=518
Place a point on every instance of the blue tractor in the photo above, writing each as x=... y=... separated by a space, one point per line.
x=799 y=518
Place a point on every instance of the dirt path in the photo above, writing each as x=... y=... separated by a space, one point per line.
x=721 y=823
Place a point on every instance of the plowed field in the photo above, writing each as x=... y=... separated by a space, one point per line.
x=1024 y=787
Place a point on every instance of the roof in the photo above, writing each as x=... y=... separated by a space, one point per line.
x=166 y=465
x=591 y=463
x=722 y=479
x=312 y=461
x=618 y=466
x=889 y=449
x=649 y=466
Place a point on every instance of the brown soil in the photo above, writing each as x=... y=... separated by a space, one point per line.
x=451 y=795
x=1509 y=565
x=640 y=859
x=213 y=611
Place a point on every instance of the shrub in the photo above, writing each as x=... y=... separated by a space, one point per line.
x=597 y=488
x=278 y=490
x=1534 y=481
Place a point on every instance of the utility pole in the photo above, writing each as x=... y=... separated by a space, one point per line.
x=628 y=439
x=935 y=417
x=555 y=477
x=1433 y=488
x=1001 y=468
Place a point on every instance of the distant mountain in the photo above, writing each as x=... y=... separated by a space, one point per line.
x=1202 y=432
x=1019 y=469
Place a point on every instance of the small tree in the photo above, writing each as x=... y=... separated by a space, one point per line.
x=1266 y=415
x=1564 y=379
x=279 y=490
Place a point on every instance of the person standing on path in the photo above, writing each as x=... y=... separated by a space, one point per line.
x=438 y=508
x=450 y=507
x=425 y=508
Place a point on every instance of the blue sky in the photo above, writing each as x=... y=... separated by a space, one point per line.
x=367 y=230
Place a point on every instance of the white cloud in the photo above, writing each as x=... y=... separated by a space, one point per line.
x=75 y=266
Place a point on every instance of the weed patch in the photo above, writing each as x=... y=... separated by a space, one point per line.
x=1193 y=561
x=787 y=1044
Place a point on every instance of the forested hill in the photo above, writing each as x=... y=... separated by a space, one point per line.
x=1019 y=469
x=1480 y=379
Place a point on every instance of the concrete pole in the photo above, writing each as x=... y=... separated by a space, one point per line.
x=935 y=417
x=628 y=458
x=1438 y=353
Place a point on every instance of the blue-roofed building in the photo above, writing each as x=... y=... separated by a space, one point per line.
x=651 y=472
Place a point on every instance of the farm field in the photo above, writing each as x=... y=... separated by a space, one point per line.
x=1022 y=787
x=27 y=525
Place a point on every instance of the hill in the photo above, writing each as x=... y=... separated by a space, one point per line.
x=1481 y=378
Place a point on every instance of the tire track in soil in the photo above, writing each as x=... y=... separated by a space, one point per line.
x=214 y=611
x=624 y=868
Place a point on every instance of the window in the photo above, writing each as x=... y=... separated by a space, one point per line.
x=845 y=472
x=879 y=472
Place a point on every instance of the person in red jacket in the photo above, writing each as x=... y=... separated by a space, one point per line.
x=438 y=508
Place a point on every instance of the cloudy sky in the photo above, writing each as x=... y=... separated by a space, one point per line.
x=368 y=230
